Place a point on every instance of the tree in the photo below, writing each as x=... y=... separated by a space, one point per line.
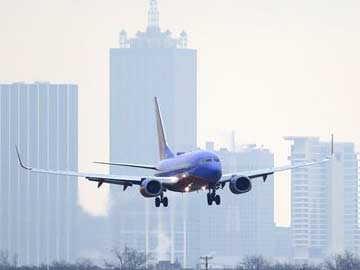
x=6 y=262
x=86 y=264
x=130 y=259
x=254 y=263
x=347 y=261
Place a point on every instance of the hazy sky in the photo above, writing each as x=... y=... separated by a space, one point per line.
x=267 y=68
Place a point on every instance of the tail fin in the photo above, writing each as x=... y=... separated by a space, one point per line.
x=164 y=149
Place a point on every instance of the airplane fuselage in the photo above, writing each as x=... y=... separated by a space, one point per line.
x=195 y=170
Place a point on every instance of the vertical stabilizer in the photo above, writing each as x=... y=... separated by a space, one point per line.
x=164 y=149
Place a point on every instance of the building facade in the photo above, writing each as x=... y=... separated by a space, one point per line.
x=324 y=200
x=151 y=64
x=244 y=224
x=38 y=212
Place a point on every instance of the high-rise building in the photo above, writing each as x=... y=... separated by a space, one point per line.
x=244 y=224
x=324 y=200
x=37 y=212
x=282 y=243
x=151 y=64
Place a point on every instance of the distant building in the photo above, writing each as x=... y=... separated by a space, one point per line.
x=282 y=243
x=324 y=200
x=244 y=224
x=38 y=212
x=151 y=64
x=167 y=265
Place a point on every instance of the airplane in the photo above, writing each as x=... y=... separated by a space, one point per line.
x=182 y=172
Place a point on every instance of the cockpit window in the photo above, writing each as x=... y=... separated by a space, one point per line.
x=209 y=160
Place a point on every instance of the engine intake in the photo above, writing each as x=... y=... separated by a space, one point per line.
x=151 y=188
x=240 y=184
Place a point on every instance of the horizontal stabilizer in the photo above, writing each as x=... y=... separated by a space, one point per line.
x=140 y=166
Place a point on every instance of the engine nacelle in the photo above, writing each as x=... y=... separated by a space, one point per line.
x=151 y=188
x=240 y=184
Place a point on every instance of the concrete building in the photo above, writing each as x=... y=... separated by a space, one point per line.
x=244 y=224
x=151 y=64
x=324 y=200
x=282 y=244
x=38 y=212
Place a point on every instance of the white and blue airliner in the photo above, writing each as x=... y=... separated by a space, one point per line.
x=185 y=172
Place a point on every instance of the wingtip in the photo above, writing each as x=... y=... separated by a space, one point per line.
x=332 y=154
x=20 y=161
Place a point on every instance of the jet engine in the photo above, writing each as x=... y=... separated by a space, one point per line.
x=240 y=184
x=151 y=188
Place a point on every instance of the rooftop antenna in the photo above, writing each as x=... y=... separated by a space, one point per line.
x=153 y=16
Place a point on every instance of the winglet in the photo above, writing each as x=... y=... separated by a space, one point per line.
x=20 y=161
x=331 y=147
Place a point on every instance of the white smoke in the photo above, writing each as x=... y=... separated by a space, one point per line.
x=163 y=247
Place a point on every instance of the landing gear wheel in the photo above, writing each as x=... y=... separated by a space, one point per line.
x=217 y=200
x=209 y=199
x=157 y=202
x=165 y=201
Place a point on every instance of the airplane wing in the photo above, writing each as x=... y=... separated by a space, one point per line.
x=100 y=178
x=141 y=166
x=264 y=173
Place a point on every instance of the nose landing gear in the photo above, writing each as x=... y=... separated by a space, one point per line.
x=161 y=200
x=212 y=197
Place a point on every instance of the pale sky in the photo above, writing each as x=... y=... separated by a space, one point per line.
x=267 y=68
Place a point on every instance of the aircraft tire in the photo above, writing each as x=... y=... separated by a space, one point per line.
x=209 y=199
x=165 y=201
x=157 y=202
x=217 y=199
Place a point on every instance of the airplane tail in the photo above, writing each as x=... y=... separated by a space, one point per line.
x=164 y=149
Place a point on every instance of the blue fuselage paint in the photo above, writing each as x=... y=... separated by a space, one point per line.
x=195 y=170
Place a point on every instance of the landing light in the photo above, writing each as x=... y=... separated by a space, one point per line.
x=203 y=188
x=187 y=189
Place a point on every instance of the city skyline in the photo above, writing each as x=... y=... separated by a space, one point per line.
x=241 y=78
x=246 y=69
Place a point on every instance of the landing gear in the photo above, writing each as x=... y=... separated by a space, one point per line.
x=209 y=199
x=157 y=202
x=165 y=201
x=212 y=197
x=161 y=200
x=217 y=200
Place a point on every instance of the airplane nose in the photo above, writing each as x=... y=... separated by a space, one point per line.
x=214 y=172
x=211 y=172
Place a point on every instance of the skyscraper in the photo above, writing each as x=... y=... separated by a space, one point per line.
x=324 y=200
x=244 y=224
x=151 y=64
x=37 y=212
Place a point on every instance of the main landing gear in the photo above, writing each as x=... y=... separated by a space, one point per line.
x=161 y=200
x=212 y=197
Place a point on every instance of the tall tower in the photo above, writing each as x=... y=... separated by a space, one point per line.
x=244 y=224
x=151 y=64
x=324 y=200
x=37 y=212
